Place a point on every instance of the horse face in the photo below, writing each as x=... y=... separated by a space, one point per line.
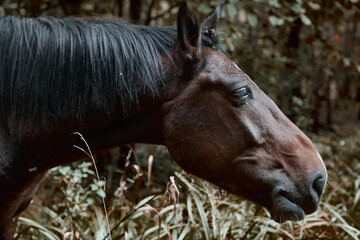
x=223 y=128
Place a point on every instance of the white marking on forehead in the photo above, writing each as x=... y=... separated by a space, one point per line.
x=247 y=76
x=240 y=70
x=236 y=66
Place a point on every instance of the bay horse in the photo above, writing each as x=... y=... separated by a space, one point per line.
x=119 y=83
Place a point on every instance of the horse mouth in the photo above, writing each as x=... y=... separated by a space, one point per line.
x=286 y=210
x=283 y=205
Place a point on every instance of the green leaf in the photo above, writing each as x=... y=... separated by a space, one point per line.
x=275 y=3
x=100 y=183
x=231 y=10
x=252 y=19
x=230 y=44
x=85 y=170
x=101 y=193
x=64 y=170
x=89 y=201
x=298 y=8
x=94 y=187
x=328 y=72
x=305 y=20
x=275 y=21
x=297 y=101
x=347 y=62
x=204 y=8
x=266 y=52
x=314 y=5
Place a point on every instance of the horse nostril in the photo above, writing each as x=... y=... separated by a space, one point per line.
x=318 y=184
x=316 y=187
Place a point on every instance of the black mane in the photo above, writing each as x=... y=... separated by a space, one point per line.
x=58 y=68
x=55 y=68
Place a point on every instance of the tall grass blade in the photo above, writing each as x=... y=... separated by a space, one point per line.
x=353 y=232
x=184 y=232
x=46 y=232
x=188 y=184
x=202 y=214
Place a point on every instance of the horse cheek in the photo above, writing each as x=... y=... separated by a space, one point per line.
x=186 y=146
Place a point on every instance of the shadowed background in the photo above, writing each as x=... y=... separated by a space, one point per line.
x=304 y=54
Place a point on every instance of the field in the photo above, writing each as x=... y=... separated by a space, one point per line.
x=152 y=198
x=305 y=55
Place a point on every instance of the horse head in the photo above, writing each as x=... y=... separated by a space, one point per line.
x=219 y=125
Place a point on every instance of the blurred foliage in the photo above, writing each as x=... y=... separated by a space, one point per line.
x=305 y=54
x=307 y=49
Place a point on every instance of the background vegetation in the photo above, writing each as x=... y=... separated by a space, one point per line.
x=305 y=54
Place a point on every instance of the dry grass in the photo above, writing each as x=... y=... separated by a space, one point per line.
x=149 y=206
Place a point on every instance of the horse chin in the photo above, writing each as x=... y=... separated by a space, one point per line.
x=281 y=208
x=285 y=210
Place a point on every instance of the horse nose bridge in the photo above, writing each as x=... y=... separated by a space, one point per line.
x=292 y=148
x=285 y=133
x=293 y=142
x=302 y=157
x=309 y=155
x=297 y=154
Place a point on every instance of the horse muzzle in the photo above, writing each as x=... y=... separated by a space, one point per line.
x=291 y=203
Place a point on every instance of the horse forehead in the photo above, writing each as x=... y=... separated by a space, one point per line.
x=219 y=63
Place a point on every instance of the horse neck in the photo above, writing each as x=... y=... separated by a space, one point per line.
x=99 y=130
x=141 y=125
x=143 y=121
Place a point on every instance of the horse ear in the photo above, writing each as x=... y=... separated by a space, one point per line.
x=189 y=28
x=212 y=21
x=208 y=27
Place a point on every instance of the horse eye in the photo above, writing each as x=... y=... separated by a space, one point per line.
x=242 y=94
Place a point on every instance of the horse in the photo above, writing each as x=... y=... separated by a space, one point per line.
x=118 y=83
